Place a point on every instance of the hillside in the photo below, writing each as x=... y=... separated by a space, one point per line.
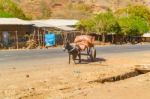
x=38 y=9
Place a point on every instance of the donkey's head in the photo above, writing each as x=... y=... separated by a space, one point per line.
x=66 y=46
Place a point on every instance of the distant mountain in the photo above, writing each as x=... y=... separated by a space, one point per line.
x=38 y=9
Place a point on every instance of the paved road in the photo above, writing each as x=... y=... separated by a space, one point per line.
x=39 y=56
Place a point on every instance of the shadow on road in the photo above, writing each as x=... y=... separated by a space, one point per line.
x=87 y=61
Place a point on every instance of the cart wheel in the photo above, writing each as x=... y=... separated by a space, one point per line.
x=93 y=54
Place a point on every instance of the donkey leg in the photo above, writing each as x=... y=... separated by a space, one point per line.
x=74 y=61
x=74 y=56
x=79 y=55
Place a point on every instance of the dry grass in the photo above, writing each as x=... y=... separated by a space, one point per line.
x=71 y=8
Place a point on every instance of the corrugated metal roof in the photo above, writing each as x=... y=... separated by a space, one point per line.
x=54 y=22
x=13 y=21
x=66 y=28
x=62 y=24
x=39 y=24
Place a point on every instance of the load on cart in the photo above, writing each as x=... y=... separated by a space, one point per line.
x=82 y=43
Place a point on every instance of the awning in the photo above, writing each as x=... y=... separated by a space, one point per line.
x=66 y=28
x=62 y=24
x=13 y=21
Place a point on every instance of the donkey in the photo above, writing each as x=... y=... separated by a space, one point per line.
x=73 y=51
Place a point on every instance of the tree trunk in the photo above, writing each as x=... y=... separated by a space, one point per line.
x=112 y=41
x=99 y=37
x=103 y=37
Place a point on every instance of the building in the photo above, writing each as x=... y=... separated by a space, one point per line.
x=16 y=33
x=13 y=32
x=63 y=28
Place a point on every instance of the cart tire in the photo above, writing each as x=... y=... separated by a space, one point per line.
x=93 y=54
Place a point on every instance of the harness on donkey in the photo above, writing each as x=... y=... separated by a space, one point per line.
x=73 y=51
x=82 y=43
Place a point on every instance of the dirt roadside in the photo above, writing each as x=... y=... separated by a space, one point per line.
x=58 y=80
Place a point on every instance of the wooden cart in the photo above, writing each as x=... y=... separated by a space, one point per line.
x=86 y=43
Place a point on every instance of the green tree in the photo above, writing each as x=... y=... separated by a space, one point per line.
x=5 y=14
x=105 y=23
x=102 y=23
x=139 y=10
x=86 y=25
x=133 y=26
x=135 y=10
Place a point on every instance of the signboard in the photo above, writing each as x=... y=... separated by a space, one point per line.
x=50 y=39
